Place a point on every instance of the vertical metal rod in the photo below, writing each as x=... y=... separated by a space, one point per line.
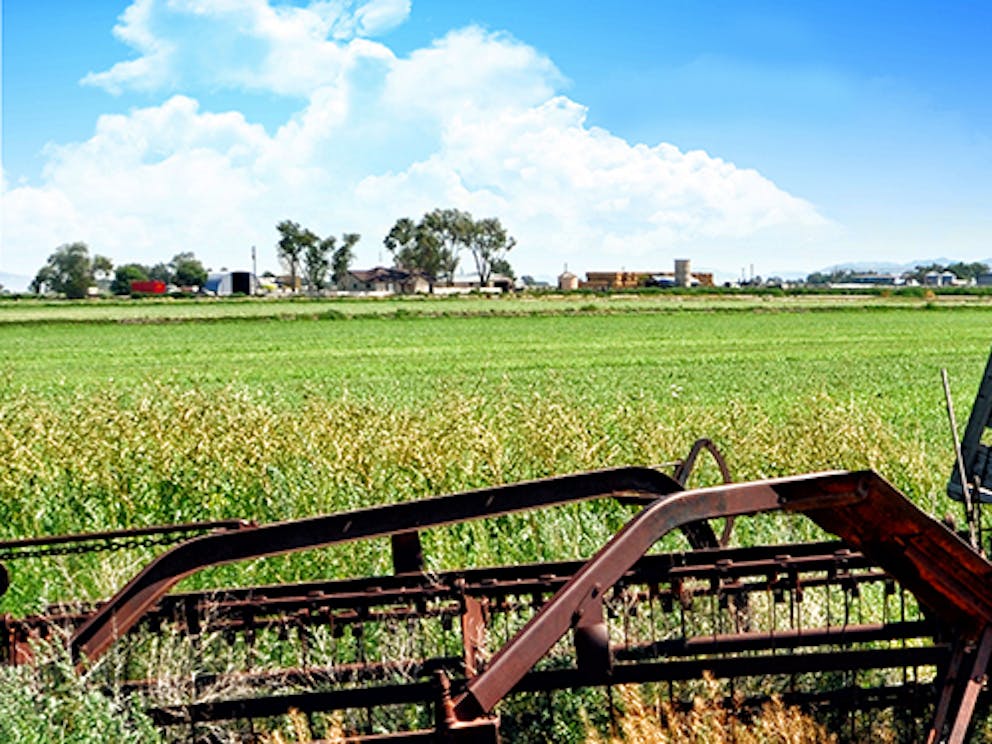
x=975 y=683
x=969 y=514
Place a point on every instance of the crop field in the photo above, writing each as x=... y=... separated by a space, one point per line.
x=271 y=416
x=119 y=424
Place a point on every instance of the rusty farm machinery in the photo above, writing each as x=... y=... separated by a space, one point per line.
x=892 y=613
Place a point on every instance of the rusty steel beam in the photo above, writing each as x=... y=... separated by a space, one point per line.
x=271 y=705
x=750 y=641
x=314 y=603
x=939 y=568
x=972 y=687
x=862 y=508
x=126 y=608
x=748 y=644
x=738 y=667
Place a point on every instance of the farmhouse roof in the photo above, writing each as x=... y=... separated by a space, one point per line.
x=384 y=274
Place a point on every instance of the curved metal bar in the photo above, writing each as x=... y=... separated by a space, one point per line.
x=126 y=608
x=923 y=555
x=684 y=469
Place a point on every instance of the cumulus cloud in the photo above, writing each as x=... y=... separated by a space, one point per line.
x=245 y=44
x=476 y=120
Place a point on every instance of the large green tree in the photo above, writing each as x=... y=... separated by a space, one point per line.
x=317 y=260
x=489 y=244
x=452 y=232
x=161 y=272
x=125 y=274
x=187 y=270
x=68 y=271
x=414 y=248
x=293 y=242
x=343 y=256
x=966 y=271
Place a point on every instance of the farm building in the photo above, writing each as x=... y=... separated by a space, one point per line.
x=389 y=281
x=472 y=282
x=567 y=281
x=603 y=280
x=856 y=281
x=939 y=279
x=231 y=282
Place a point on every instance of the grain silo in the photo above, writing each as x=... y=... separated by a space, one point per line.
x=683 y=272
x=567 y=281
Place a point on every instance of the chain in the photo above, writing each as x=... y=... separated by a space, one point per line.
x=105 y=545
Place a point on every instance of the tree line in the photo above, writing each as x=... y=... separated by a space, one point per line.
x=431 y=247
x=71 y=271
x=434 y=245
x=962 y=270
x=319 y=257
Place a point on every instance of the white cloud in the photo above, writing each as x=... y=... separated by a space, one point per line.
x=378 y=16
x=471 y=69
x=473 y=121
x=245 y=44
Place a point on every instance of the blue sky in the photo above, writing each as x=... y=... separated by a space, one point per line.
x=786 y=135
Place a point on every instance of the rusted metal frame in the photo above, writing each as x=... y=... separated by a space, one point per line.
x=949 y=688
x=125 y=609
x=612 y=561
x=360 y=608
x=859 y=507
x=939 y=568
x=473 y=625
x=843 y=698
x=484 y=583
x=749 y=641
x=268 y=706
x=380 y=671
x=793 y=582
x=529 y=576
x=488 y=582
x=972 y=687
x=739 y=667
x=679 y=648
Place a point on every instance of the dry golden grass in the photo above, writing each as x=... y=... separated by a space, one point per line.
x=709 y=721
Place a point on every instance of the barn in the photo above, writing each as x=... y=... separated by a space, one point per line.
x=230 y=283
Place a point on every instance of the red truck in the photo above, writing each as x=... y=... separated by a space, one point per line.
x=150 y=286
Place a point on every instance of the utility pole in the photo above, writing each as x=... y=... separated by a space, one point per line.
x=254 y=267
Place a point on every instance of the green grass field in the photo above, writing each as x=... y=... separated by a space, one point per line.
x=316 y=407
x=107 y=424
